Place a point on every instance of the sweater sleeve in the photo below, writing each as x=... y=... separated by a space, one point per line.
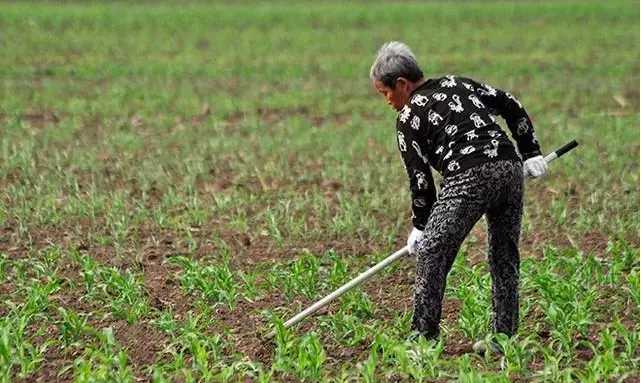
x=410 y=134
x=517 y=119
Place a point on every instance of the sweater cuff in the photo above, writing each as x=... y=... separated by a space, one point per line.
x=527 y=156
x=419 y=225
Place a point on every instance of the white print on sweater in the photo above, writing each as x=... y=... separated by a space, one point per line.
x=419 y=100
x=439 y=96
x=487 y=90
x=455 y=106
x=434 y=117
x=416 y=147
x=522 y=126
x=401 y=142
x=475 y=100
x=471 y=135
x=453 y=166
x=449 y=82
x=467 y=150
x=491 y=151
x=416 y=122
x=421 y=180
x=405 y=114
x=478 y=121
x=451 y=130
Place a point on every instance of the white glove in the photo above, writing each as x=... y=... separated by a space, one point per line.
x=415 y=235
x=535 y=167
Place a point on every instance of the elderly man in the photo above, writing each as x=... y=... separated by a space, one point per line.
x=449 y=123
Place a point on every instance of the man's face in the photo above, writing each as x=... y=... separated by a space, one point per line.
x=396 y=97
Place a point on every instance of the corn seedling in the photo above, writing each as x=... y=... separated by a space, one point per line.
x=215 y=283
x=127 y=298
x=347 y=329
x=311 y=357
x=72 y=326
x=105 y=361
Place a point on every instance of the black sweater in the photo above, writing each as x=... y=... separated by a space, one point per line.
x=449 y=124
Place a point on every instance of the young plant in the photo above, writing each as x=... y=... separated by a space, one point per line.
x=215 y=283
x=368 y=367
x=4 y=265
x=250 y=282
x=474 y=294
x=104 y=362
x=89 y=273
x=517 y=353
x=18 y=356
x=37 y=296
x=311 y=357
x=347 y=329
x=337 y=274
x=72 y=326
x=358 y=304
x=127 y=297
x=285 y=353
x=302 y=276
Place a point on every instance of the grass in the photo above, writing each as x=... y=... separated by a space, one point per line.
x=177 y=179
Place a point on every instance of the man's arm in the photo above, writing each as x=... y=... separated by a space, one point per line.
x=517 y=119
x=410 y=130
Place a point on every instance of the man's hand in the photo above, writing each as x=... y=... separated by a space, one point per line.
x=535 y=167
x=415 y=235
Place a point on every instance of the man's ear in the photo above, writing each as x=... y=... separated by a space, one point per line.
x=402 y=82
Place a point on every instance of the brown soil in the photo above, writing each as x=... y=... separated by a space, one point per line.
x=248 y=329
x=54 y=361
x=37 y=119
x=142 y=341
x=164 y=291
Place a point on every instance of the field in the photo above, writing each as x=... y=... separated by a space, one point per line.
x=177 y=179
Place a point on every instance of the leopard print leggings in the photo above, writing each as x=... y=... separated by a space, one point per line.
x=496 y=190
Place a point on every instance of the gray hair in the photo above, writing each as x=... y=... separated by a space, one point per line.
x=395 y=60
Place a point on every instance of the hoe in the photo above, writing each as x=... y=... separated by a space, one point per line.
x=382 y=264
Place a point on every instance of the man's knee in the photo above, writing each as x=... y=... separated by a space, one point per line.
x=439 y=242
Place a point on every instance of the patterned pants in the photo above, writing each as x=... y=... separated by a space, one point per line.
x=496 y=190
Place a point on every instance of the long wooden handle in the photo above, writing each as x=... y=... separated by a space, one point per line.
x=343 y=289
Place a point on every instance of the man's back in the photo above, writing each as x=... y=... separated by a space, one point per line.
x=450 y=123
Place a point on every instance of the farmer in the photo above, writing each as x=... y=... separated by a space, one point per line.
x=449 y=123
